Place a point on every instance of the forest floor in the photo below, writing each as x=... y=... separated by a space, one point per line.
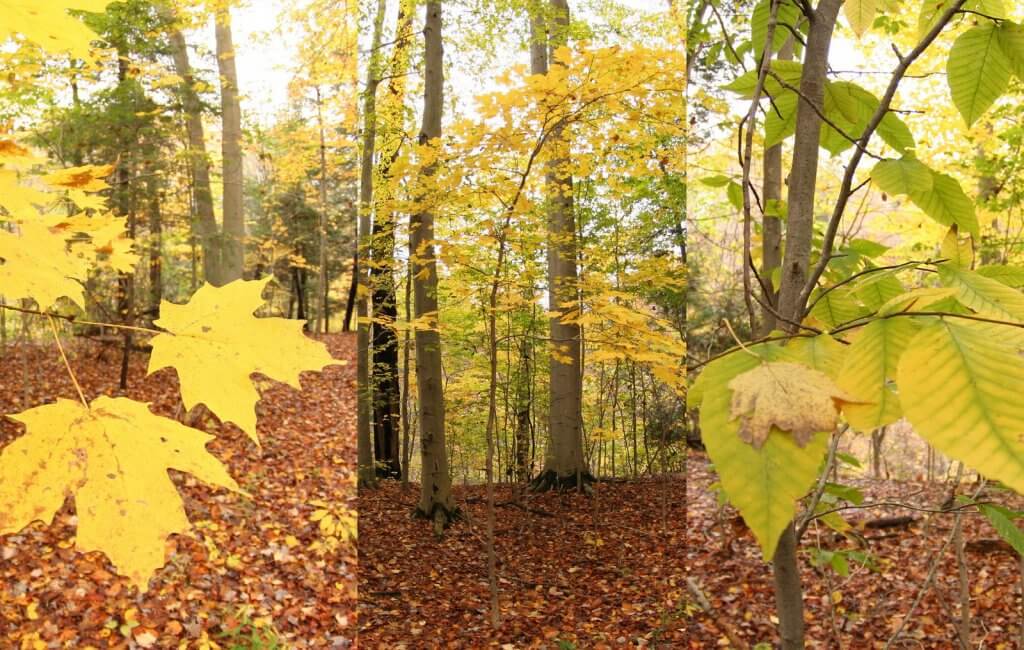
x=248 y=571
x=864 y=609
x=574 y=571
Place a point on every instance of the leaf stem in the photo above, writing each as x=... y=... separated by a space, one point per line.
x=72 y=319
x=71 y=373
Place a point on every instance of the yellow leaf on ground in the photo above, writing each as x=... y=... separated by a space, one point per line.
x=113 y=457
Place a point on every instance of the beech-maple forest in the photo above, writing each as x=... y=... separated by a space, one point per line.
x=511 y=324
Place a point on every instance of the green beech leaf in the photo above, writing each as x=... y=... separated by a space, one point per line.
x=987 y=297
x=788 y=14
x=902 y=176
x=978 y=71
x=1011 y=40
x=1011 y=276
x=1004 y=526
x=947 y=203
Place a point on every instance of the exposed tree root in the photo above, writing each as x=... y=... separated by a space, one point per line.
x=550 y=480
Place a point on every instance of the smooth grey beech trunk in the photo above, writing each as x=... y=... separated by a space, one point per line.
x=565 y=465
x=435 y=487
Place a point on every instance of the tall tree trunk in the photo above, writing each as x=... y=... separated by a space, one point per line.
x=391 y=134
x=323 y=288
x=799 y=231
x=367 y=476
x=435 y=493
x=156 y=289
x=565 y=466
x=231 y=115
x=206 y=222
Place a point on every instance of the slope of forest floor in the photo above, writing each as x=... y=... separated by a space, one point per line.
x=864 y=609
x=574 y=571
x=249 y=570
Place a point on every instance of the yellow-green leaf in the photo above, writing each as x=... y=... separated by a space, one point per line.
x=870 y=369
x=985 y=296
x=960 y=389
x=48 y=24
x=860 y=14
x=764 y=483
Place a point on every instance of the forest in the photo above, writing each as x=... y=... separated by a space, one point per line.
x=175 y=254
x=556 y=324
x=854 y=331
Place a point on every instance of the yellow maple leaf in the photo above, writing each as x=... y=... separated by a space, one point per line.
x=87 y=178
x=788 y=396
x=113 y=458
x=49 y=25
x=38 y=265
x=18 y=199
x=215 y=343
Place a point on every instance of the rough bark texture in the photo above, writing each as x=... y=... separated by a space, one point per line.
x=233 y=256
x=205 y=220
x=565 y=465
x=799 y=231
x=435 y=494
x=367 y=476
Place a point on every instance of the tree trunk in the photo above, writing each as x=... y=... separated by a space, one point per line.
x=206 y=222
x=799 y=231
x=435 y=495
x=565 y=466
x=391 y=134
x=367 y=476
x=155 y=251
x=322 y=287
x=231 y=116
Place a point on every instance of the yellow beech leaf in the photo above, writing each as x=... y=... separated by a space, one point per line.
x=48 y=24
x=789 y=396
x=37 y=264
x=113 y=458
x=215 y=343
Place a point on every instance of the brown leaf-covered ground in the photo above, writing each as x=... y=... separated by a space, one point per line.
x=864 y=609
x=249 y=568
x=593 y=572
